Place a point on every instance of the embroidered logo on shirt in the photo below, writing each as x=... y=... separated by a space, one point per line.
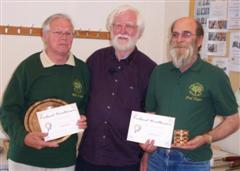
x=195 y=91
x=77 y=89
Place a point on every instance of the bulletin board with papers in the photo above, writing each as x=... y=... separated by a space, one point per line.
x=221 y=22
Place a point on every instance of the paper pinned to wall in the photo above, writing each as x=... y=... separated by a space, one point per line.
x=234 y=14
x=234 y=51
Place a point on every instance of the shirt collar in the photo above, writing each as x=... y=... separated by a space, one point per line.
x=46 y=62
x=128 y=58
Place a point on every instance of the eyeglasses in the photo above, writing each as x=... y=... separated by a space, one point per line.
x=61 y=33
x=127 y=27
x=184 y=35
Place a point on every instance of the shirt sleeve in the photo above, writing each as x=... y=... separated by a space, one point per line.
x=151 y=102
x=12 y=116
x=223 y=98
x=86 y=79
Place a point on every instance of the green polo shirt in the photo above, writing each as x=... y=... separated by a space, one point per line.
x=193 y=97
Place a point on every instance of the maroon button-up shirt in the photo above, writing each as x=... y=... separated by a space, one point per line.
x=117 y=88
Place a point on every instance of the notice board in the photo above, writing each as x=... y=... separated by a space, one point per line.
x=221 y=47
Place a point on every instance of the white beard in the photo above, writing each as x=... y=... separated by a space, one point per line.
x=181 y=59
x=126 y=46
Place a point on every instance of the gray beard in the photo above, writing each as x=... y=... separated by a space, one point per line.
x=130 y=45
x=183 y=59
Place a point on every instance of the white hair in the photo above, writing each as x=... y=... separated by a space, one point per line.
x=47 y=22
x=119 y=10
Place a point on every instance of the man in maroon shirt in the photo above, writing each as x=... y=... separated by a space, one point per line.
x=120 y=76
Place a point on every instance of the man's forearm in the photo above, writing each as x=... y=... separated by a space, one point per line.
x=229 y=125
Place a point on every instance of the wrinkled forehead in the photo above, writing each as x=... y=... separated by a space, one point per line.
x=185 y=25
x=61 y=23
x=127 y=16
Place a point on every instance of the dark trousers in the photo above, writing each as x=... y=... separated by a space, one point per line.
x=83 y=165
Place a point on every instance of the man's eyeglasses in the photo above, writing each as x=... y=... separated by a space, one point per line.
x=128 y=27
x=61 y=33
x=184 y=35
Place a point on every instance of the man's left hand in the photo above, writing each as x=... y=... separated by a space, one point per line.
x=82 y=122
x=194 y=143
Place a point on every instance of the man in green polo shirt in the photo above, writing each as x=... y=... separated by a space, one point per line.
x=53 y=73
x=194 y=92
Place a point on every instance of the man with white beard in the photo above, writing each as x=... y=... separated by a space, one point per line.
x=194 y=92
x=119 y=79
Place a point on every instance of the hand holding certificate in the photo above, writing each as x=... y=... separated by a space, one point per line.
x=59 y=121
x=145 y=126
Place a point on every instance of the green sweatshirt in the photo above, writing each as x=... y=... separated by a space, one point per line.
x=31 y=82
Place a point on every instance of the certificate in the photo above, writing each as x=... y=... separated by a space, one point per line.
x=144 y=126
x=59 y=121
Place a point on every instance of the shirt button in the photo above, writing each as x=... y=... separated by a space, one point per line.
x=105 y=122
x=108 y=107
x=119 y=67
x=116 y=80
x=131 y=87
x=104 y=136
x=113 y=94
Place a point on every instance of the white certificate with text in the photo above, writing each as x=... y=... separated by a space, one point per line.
x=144 y=126
x=60 y=121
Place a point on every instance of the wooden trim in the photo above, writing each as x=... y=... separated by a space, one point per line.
x=191 y=8
x=235 y=80
x=37 y=31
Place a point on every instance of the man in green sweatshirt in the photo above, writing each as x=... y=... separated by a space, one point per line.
x=52 y=73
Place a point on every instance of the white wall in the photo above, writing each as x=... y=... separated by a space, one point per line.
x=231 y=143
x=86 y=15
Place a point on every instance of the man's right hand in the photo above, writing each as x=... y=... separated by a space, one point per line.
x=36 y=140
x=148 y=146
